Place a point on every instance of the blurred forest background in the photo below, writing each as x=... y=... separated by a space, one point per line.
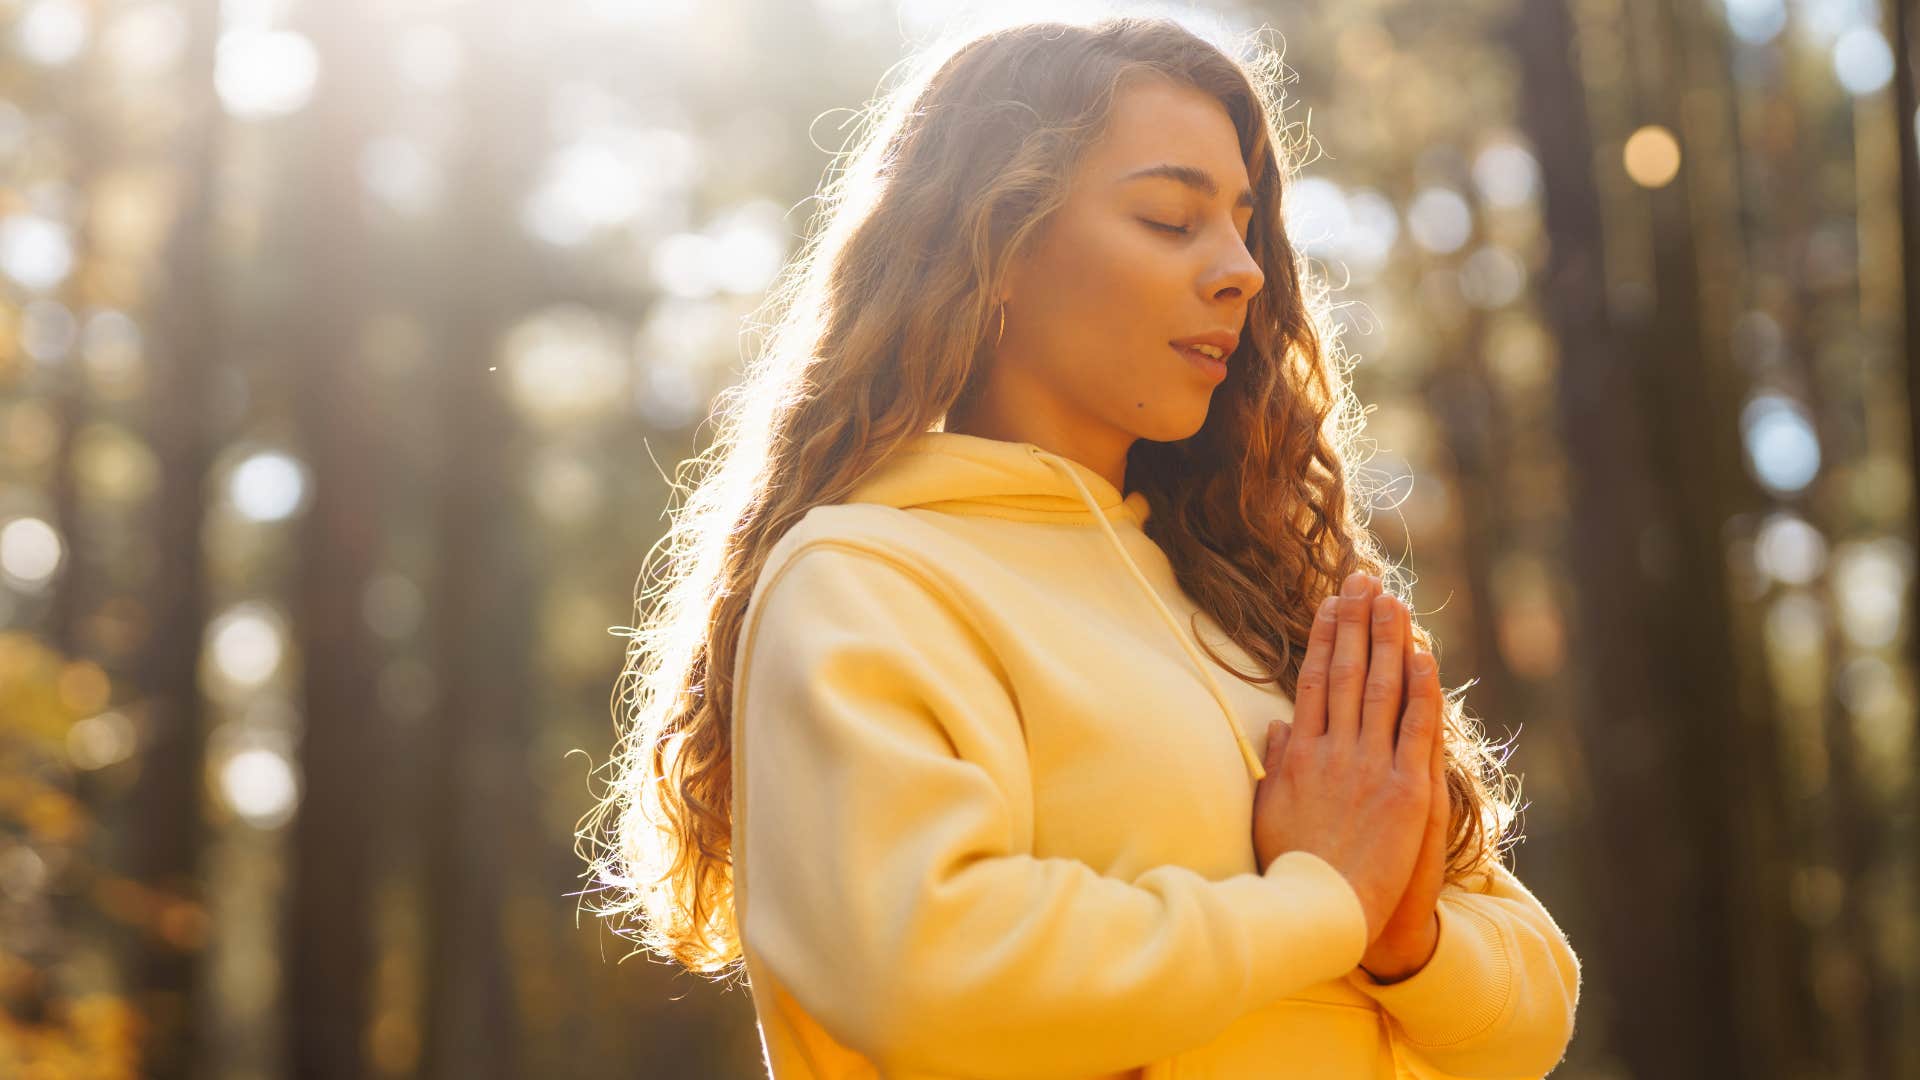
x=347 y=346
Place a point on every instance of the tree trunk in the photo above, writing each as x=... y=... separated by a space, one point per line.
x=335 y=837
x=478 y=790
x=166 y=828
x=1907 y=108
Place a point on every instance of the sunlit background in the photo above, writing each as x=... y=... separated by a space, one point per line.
x=347 y=348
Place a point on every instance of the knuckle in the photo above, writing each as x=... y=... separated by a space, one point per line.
x=1347 y=670
x=1313 y=678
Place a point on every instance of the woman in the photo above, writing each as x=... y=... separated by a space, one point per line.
x=953 y=722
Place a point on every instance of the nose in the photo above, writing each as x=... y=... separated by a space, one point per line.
x=1238 y=275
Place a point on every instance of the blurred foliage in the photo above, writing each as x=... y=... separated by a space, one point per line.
x=50 y=1028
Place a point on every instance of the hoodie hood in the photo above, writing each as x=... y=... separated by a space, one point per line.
x=953 y=473
x=981 y=477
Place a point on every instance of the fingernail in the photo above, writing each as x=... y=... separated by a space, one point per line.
x=1356 y=585
x=1382 y=608
x=1329 y=606
x=1422 y=663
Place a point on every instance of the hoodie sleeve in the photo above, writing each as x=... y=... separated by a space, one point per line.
x=887 y=889
x=1497 y=999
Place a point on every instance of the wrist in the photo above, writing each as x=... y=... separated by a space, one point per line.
x=1386 y=971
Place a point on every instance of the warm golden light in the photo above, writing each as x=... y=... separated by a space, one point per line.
x=1652 y=156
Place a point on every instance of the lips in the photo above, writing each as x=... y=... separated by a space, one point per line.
x=1214 y=369
x=1224 y=340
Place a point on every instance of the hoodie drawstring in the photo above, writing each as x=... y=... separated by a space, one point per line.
x=1254 y=767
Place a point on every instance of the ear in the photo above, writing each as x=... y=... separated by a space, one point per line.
x=1013 y=284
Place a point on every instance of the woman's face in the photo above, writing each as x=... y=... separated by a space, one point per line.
x=1131 y=263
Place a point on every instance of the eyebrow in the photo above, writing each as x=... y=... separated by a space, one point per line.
x=1196 y=178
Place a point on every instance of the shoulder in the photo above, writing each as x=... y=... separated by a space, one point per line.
x=851 y=535
x=830 y=594
x=872 y=525
x=856 y=524
x=850 y=554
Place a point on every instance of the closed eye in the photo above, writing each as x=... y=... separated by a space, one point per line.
x=1180 y=229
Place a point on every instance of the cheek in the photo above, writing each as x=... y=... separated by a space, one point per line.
x=1119 y=272
x=1136 y=325
x=1123 y=291
x=1109 y=289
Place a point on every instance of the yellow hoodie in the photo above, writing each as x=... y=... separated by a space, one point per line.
x=993 y=811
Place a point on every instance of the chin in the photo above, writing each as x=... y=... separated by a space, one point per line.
x=1173 y=427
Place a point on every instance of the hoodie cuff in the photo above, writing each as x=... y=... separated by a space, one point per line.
x=1464 y=989
x=1316 y=932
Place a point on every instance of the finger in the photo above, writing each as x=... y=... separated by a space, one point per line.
x=1347 y=673
x=1310 y=690
x=1418 y=726
x=1408 y=645
x=1444 y=810
x=1278 y=734
x=1441 y=819
x=1439 y=719
x=1386 y=669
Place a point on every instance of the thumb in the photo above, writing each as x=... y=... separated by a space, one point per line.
x=1278 y=734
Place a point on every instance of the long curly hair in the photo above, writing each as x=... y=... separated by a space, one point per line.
x=878 y=328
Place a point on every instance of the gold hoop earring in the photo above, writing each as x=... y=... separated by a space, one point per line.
x=1003 y=324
